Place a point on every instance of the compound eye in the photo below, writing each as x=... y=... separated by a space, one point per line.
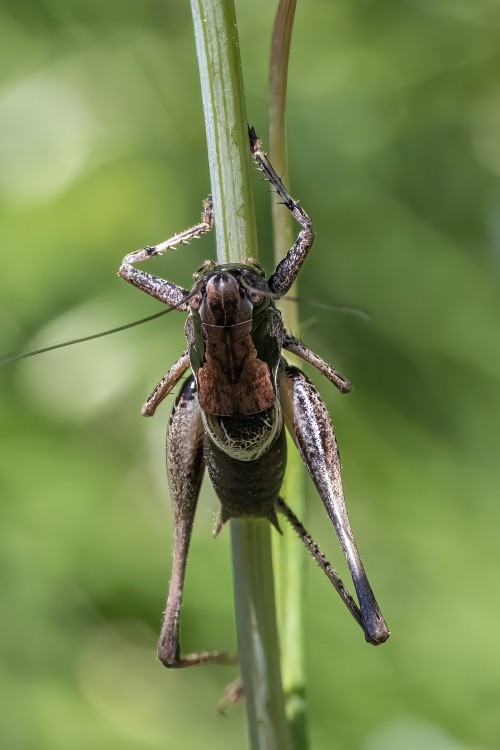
x=255 y=297
x=195 y=301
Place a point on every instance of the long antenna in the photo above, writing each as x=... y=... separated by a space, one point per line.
x=13 y=357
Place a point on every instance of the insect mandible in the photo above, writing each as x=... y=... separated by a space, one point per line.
x=231 y=412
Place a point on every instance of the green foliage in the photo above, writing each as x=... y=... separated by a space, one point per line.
x=393 y=121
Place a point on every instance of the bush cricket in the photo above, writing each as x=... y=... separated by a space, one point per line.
x=231 y=412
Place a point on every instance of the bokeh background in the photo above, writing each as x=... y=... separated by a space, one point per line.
x=394 y=144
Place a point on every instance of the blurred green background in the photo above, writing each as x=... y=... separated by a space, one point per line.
x=394 y=145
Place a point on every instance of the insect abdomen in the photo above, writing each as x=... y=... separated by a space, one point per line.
x=247 y=488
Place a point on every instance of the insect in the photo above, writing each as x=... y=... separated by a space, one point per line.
x=231 y=412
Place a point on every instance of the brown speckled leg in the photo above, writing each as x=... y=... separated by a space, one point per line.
x=161 y=289
x=309 y=424
x=323 y=563
x=294 y=346
x=166 y=384
x=287 y=269
x=185 y=464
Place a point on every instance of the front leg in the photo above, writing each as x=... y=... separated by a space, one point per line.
x=309 y=424
x=287 y=270
x=185 y=464
x=162 y=290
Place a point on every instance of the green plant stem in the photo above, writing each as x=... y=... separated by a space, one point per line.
x=228 y=153
x=288 y=555
x=221 y=77
x=278 y=77
x=258 y=645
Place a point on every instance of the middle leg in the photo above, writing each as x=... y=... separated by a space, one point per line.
x=294 y=346
x=165 y=385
